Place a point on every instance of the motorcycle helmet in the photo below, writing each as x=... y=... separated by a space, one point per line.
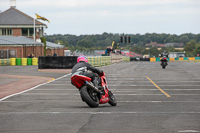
x=81 y=58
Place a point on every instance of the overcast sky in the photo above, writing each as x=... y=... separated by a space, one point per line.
x=114 y=16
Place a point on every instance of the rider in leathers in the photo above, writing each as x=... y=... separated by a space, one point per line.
x=82 y=67
x=164 y=55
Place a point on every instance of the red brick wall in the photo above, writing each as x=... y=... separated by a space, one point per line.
x=59 y=52
x=17 y=32
x=22 y=52
x=36 y=50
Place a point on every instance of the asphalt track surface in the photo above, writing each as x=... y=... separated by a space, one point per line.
x=150 y=100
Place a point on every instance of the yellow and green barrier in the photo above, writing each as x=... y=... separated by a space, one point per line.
x=152 y=59
x=29 y=61
x=12 y=61
x=4 y=62
x=176 y=59
x=125 y=58
x=99 y=60
x=24 y=61
x=19 y=61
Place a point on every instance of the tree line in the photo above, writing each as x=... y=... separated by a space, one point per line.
x=137 y=43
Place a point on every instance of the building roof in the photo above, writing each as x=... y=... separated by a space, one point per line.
x=54 y=45
x=21 y=40
x=17 y=40
x=175 y=44
x=12 y=16
x=155 y=44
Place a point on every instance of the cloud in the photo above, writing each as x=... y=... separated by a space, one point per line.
x=102 y=3
x=97 y=16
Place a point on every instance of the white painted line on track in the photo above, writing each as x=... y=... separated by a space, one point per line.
x=52 y=94
x=76 y=94
x=179 y=85
x=79 y=101
x=122 y=85
x=95 y=113
x=136 y=85
x=56 y=84
x=56 y=89
x=128 y=80
x=158 y=94
x=133 y=90
x=33 y=88
x=158 y=101
x=188 y=131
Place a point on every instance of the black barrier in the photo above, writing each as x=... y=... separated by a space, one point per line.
x=56 y=62
x=139 y=59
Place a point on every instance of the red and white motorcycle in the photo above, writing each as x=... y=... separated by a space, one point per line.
x=90 y=93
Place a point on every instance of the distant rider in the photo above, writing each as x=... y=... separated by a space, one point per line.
x=164 y=55
x=82 y=67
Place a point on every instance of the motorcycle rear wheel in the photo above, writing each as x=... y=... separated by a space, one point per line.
x=89 y=96
x=112 y=99
x=163 y=67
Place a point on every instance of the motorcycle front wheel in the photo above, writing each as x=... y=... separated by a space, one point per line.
x=112 y=99
x=89 y=96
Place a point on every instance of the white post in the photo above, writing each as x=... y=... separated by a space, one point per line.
x=34 y=29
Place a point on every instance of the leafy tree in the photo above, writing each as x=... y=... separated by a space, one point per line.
x=197 y=38
x=43 y=40
x=184 y=39
x=190 y=48
x=101 y=41
x=154 y=51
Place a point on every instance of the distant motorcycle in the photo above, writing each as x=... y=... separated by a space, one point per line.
x=164 y=62
x=90 y=93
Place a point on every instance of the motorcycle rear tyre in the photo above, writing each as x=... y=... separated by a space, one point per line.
x=163 y=67
x=112 y=99
x=87 y=97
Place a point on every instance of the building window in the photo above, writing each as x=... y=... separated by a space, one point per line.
x=24 y=31
x=27 y=31
x=6 y=32
x=30 y=31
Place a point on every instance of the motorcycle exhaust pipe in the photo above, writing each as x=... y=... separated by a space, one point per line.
x=91 y=86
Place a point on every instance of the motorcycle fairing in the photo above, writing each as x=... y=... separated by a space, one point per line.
x=104 y=98
x=79 y=80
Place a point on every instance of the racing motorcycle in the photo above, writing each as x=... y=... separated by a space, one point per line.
x=90 y=93
x=164 y=62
